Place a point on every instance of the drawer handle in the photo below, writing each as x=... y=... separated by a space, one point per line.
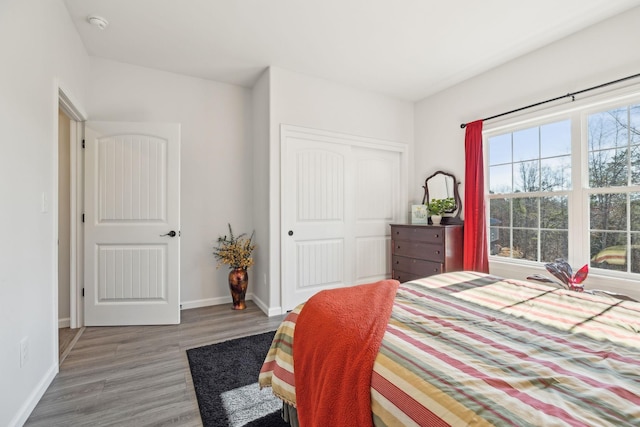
x=437 y=235
x=397 y=262
x=437 y=252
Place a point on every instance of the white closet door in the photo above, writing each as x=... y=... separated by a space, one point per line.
x=339 y=195
x=378 y=203
x=132 y=223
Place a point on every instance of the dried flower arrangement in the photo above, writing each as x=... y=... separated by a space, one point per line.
x=235 y=250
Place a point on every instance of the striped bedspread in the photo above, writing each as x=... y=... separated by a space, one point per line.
x=472 y=349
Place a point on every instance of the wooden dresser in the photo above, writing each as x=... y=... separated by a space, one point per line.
x=424 y=250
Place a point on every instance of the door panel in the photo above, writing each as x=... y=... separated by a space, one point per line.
x=377 y=204
x=132 y=267
x=317 y=188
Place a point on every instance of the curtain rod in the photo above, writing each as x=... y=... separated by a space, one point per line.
x=572 y=95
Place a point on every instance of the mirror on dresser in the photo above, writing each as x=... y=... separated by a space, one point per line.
x=443 y=185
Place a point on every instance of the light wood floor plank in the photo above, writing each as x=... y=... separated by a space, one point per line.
x=139 y=375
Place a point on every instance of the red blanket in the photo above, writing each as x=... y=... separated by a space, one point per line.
x=337 y=337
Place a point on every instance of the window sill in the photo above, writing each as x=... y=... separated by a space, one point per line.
x=519 y=270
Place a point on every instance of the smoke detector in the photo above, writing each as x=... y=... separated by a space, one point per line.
x=98 y=21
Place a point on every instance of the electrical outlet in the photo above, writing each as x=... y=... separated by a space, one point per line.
x=24 y=351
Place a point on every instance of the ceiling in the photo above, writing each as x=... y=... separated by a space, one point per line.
x=407 y=49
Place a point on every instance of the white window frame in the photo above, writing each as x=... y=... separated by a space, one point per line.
x=578 y=230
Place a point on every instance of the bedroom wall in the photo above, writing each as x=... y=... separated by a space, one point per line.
x=216 y=158
x=260 y=113
x=40 y=49
x=300 y=100
x=598 y=54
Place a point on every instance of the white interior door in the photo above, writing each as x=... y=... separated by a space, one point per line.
x=132 y=223
x=339 y=195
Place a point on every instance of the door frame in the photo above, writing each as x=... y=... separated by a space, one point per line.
x=67 y=103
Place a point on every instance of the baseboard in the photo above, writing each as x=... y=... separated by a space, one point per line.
x=185 y=305
x=273 y=311
x=64 y=323
x=35 y=396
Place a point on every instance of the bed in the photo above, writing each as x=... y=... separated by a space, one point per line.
x=468 y=348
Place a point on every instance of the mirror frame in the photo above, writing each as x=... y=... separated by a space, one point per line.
x=448 y=218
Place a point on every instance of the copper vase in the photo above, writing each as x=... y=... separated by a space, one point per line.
x=238 y=282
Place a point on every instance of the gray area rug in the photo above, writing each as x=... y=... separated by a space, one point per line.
x=225 y=377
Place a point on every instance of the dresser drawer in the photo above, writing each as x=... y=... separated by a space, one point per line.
x=403 y=276
x=418 y=267
x=426 y=251
x=419 y=234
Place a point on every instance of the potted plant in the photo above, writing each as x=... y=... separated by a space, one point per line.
x=235 y=251
x=437 y=207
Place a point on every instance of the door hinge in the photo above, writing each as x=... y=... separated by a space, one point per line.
x=82 y=291
x=83 y=143
x=83 y=218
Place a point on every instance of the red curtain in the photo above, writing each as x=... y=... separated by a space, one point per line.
x=475 y=223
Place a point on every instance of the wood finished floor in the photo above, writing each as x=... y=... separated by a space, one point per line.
x=139 y=375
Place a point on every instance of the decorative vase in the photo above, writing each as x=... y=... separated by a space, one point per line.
x=435 y=219
x=238 y=282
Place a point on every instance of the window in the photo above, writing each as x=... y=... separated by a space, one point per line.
x=529 y=183
x=614 y=197
x=535 y=179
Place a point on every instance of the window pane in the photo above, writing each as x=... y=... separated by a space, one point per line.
x=554 y=244
x=635 y=252
x=554 y=213
x=609 y=251
x=635 y=211
x=525 y=243
x=500 y=179
x=526 y=145
x=499 y=212
x=500 y=241
x=634 y=131
x=635 y=164
x=608 y=129
x=525 y=212
x=555 y=174
x=608 y=168
x=555 y=139
x=526 y=177
x=608 y=212
x=634 y=122
x=500 y=149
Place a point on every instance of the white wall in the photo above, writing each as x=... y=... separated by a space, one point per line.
x=216 y=158
x=40 y=47
x=595 y=55
x=301 y=100
x=260 y=113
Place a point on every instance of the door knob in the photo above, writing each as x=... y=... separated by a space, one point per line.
x=290 y=233
x=170 y=234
